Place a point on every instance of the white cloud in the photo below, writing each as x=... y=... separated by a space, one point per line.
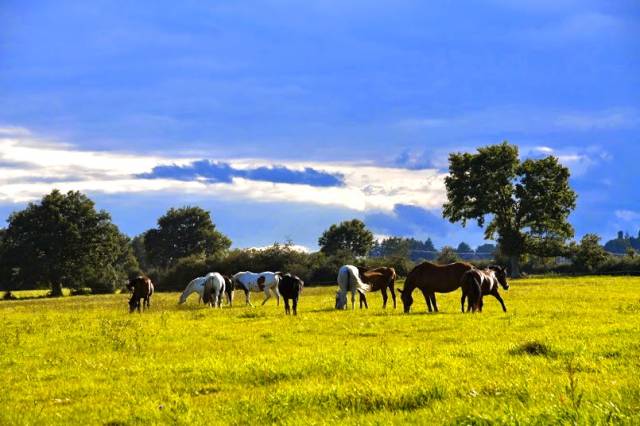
x=31 y=167
x=613 y=119
x=578 y=160
x=294 y=247
x=628 y=215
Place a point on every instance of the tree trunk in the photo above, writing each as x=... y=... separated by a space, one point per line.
x=515 y=266
x=56 y=289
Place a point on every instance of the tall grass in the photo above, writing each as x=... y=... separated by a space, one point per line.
x=567 y=352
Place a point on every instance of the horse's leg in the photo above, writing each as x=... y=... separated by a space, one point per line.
x=295 y=304
x=247 y=294
x=384 y=297
x=427 y=299
x=353 y=300
x=433 y=300
x=497 y=296
x=267 y=295
x=464 y=296
x=275 y=288
x=364 y=299
x=393 y=294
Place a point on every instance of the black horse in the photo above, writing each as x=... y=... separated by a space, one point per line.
x=290 y=287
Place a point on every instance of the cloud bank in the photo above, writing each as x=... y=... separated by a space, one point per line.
x=31 y=167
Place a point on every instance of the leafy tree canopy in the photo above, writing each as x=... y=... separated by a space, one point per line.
x=447 y=255
x=351 y=236
x=183 y=232
x=64 y=241
x=527 y=203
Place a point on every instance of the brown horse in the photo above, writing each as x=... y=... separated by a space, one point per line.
x=142 y=288
x=431 y=278
x=379 y=279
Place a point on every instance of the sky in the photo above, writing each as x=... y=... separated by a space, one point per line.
x=284 y=117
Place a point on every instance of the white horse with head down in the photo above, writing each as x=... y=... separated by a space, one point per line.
x=214 y=288
x=266 y=282
x=349 y=280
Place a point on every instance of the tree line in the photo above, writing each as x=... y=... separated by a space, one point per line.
x=63 y=241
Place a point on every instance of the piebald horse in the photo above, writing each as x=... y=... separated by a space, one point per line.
x=197 y=286
x=488 y=279
x=349 y=280
x=431 y=278
x=142 y=288
x=266 y=282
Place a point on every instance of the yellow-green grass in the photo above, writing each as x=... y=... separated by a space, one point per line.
x=568 y=351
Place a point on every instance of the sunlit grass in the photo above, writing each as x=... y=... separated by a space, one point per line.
x=568 y=351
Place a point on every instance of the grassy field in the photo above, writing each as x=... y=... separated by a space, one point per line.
x=568 y=351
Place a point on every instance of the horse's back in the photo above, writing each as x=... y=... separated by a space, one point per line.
x=438 y=278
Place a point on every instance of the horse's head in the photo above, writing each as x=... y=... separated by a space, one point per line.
x=407 y=299
x=501 y=275
x=133 y=304
x=341 y=300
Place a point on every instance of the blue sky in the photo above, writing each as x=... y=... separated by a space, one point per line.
x=284 y=117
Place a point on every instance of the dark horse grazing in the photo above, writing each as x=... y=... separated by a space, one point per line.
x=379 y=279
x=431 y=278
x=142 y=288
x=290 y=287
x=229 y=288
x=488 y=280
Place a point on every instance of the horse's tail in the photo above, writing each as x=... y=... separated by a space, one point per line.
x=208 y=291
x=359 y=285
x=471 y=279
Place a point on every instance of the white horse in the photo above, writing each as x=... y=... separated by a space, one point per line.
x=349 y=280
x=214 y=288
x=263 y=281
x=195 y=286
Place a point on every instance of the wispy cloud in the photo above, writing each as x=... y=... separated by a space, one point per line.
x=628 y=215
x=611 y=119
x=525 y=119
x=31 y=167
x=578 y=160
x=576 y=27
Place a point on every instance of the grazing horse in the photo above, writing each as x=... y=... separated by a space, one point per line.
x=380 y=279
x=431 y=278
x=349 y=280
x=488 y=279
x=197 y=286
x=290 y=287
x=214 y=288
x=229 y=289
x=266 y=282
x=142 y=288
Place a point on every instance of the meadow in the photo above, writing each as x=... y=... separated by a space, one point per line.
x=567 y=352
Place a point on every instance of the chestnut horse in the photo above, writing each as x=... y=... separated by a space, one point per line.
x=379 y=279
x=431 y=278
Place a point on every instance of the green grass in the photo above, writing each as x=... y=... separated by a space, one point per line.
x=568 y=351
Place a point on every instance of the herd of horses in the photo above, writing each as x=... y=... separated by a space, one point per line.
x=427 y=277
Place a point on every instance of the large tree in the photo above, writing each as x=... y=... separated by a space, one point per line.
x=527 y=203
x=64 y=241
x=351 y=236
x=183 y=232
